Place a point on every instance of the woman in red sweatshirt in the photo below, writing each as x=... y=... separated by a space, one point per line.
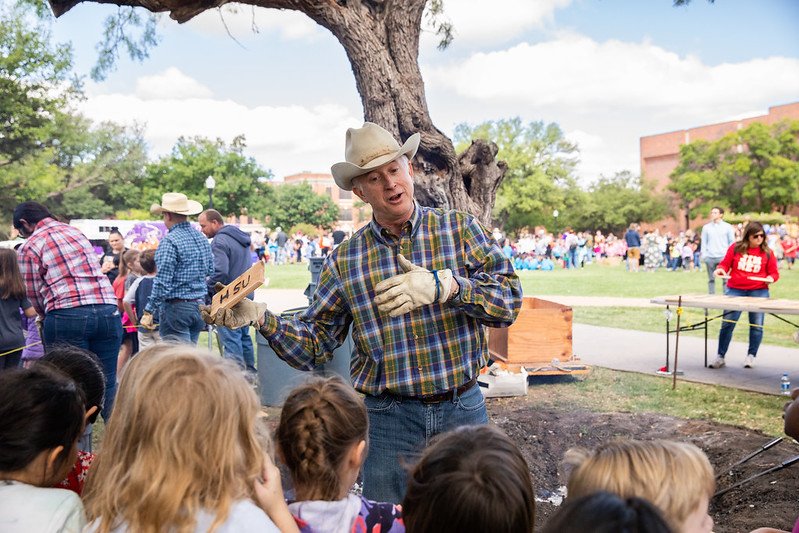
x=751 y=267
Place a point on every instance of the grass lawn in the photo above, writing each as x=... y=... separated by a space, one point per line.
x=593 y=280
x=604 y=280
x=605 y=390
x=645 y=319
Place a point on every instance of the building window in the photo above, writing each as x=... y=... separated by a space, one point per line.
x=345 y=195
x=345 y=215
x=329 y=192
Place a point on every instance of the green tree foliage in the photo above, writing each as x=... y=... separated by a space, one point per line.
x=34 y=84
x=103 y=168
x=763 y=164
x=87 y=171
x=540 y=176
x=696 y=180
x=295 y=204
x=613 y=202
x=753 y=169
x=240 y=182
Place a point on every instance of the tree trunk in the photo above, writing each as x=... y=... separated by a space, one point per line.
x=381 y=39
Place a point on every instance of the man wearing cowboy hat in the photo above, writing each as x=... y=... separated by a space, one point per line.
x=418 y=286
x=184 y=261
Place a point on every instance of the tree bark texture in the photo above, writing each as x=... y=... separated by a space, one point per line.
x=381 y=40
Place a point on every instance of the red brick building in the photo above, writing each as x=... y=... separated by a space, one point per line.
x=660 y=153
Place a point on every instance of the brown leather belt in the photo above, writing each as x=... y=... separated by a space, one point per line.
x=442 y=396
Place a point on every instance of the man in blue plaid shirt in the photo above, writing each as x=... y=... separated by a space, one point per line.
x=419 y=286
x=184 y=261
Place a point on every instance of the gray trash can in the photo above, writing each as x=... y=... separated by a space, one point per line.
x=276 y=378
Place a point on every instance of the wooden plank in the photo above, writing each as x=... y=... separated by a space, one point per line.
x=556 y=372
x=239 y=288
x=732 y=303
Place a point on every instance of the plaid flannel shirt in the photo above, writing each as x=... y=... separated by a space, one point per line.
x=61 y=270
x=430 y=350
x=184 y=260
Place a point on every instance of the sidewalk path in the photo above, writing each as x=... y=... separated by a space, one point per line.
x=640 y=351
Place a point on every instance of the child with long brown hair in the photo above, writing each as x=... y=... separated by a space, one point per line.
x=128 y=268
x=41 y=418
x=321 y=438
x=12 y=299
x=182 y=451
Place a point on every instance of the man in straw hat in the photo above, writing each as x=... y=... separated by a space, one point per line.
x=184 y=261
x=418 y=285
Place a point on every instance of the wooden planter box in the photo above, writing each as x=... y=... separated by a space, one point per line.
x=541 y=333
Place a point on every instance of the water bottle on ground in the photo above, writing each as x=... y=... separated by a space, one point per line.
x=785 y=385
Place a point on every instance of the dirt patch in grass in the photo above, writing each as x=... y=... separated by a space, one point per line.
x=544 y=434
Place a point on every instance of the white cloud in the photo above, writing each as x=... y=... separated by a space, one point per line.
x=170 y=84
x=500 y=21
x=244 y=23
x=615 y=91
x=286 y=139
x=577 y=71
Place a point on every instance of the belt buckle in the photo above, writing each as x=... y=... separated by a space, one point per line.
x=436 y=398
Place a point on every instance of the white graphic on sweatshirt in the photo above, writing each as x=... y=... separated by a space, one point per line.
x=750 y=263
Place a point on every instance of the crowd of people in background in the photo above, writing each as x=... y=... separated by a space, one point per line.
x=276 y=247
x=640 y=248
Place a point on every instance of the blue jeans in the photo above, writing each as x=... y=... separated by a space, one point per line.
x=181 y=321
x=10 y=360
x=97 y=328
x=712 y=263
x=400 y=428
x=756 y=319
x=237 y=346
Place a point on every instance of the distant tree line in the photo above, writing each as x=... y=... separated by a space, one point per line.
x=541 y=181
x=753 y=169
x=79 y=169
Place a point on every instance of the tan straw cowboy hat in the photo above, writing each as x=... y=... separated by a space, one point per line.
x=368 y=148
x=175 y=202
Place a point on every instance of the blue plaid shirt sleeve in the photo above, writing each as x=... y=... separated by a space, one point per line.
x=309 y=339
x=493 y=292
x=165 y=259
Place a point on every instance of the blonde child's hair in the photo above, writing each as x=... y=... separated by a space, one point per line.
x=674 y=476
x=182 y=439
x=320 y=422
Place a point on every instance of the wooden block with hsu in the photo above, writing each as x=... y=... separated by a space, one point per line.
x=238 y=289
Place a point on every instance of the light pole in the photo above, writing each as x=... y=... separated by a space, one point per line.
x=555 y=214
x=210 y=183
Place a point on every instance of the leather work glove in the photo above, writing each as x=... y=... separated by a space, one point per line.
x=244 y=313
x=147 y=321
x=418 y=286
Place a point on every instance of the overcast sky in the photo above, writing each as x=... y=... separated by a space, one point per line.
x=607 y=71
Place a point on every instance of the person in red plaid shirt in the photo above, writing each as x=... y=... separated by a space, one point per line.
x=66 y=286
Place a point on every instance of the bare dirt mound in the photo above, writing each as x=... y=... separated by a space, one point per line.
x=544 y=435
